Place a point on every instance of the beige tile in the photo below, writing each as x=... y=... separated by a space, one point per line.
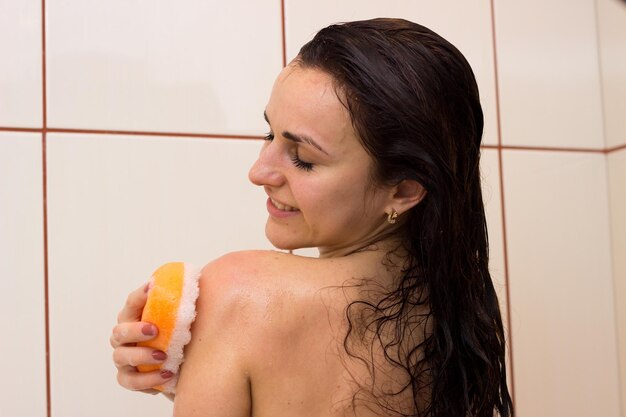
x=22 y=313
x=564 y=340
x=612 y=42
x=617 y=192
x=549 y=74
x=20 y=72
x=467 y=25
x=189 y=66
x=118 y=208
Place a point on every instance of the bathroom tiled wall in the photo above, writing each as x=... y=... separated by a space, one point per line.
x=617 y=190
x=22 y=310
x=128 y=146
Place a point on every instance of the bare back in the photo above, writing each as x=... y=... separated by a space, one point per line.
x=269 y=340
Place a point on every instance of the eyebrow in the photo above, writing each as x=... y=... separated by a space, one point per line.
x=297 y=137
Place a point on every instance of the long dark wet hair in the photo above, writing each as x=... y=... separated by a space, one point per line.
x=414 y=102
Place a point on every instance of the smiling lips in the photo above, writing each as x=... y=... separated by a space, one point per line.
x=282 y=207
x=279 y=210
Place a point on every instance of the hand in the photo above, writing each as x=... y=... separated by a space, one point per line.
x=127 y=355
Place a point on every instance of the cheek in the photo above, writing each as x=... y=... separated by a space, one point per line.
x=339 y=195
x=340 y=202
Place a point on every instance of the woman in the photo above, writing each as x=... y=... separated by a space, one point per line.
x=373 y=157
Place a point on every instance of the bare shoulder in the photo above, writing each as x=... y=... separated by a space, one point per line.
x=241 y=286
x=258 y=270
x=263 y=293
x=233 y=280
x=255 y=261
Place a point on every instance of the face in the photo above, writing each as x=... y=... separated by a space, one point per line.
x=315 y=171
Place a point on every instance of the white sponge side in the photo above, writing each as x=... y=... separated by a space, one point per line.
x=185 y=315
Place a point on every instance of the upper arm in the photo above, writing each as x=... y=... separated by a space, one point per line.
x=214 y=379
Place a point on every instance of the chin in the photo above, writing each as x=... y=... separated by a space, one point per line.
x=282 y=245
x=279 y=241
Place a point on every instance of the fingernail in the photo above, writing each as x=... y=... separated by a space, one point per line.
x=159 y=355
x=166 y=374
x=148 y=330
x=147 y=287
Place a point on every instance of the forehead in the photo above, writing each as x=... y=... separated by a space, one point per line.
x=304 y=100
x=314 y=85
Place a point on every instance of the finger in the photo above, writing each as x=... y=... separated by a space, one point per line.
x=130 y=379
x=132 y=356
x=131 y=333
x=134 y=305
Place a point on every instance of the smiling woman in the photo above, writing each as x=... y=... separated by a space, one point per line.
x=372 y=157
x=316 y=172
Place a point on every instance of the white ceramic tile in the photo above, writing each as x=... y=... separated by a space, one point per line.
x=185 y=66
x=549 y=74
x=612 y=37
x=563 y=321
x=118 y=208
x=22 y=312
x=467 y=25
x=20 y=72
x=617 y=191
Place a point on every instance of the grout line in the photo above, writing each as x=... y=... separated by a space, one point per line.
x=550 y=148
x=284 y=42
x=612 y=254
x=44 y=76
x=600 y=76
x=44 y=166
x=242 y=136
x=21 y=129
x=283 y=34
x=615 y=149
x=149 y=133
x=502 y=207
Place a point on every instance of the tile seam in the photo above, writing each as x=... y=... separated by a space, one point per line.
x=44 y=168
x=616 y=149
x=608 y=151
x=283 y=32
x=244 y=136
x=155 y=134
x=600 y=73
x=502 y=204
x=21 y=129
x=616 y=317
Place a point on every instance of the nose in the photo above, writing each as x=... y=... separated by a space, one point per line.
x=266 y=171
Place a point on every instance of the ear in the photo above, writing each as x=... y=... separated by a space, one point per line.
x=406 y=195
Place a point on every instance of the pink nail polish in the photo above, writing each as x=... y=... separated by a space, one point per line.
x=159 y=355
x=148 y=330
x=166 y=374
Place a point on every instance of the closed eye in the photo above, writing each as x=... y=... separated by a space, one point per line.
x=299 y=163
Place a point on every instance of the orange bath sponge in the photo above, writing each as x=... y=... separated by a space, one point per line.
x=171 y=306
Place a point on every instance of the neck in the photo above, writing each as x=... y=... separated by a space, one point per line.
x=383 y=245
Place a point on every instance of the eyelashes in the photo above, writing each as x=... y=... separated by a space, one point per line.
x=297 y=162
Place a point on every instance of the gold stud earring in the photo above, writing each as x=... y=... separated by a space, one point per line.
x=391 y=217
